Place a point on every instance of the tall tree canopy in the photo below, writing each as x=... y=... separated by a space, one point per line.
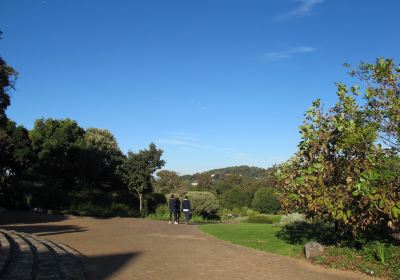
x=138 y=168
x=168 y=182
x=347 y=167
x=57 y=144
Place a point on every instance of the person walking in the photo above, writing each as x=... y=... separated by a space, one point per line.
x=177 y=210
x=171 y=205
x=186 y=209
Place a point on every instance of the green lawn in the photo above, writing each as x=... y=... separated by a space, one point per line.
x=377 y=259
x=258 y=236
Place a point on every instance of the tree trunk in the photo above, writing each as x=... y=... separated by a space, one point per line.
x=140 y=202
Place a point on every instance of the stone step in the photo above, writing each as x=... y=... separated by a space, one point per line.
x=5 y=252
x=45 y=260
x=69 y=265
x=31 y=257
x=21 y=260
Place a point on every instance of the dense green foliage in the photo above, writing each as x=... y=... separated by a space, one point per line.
x=347 y=168
x=169 y=182
x=235 y=198
x=265 y=201
x=203 y=203
x=138 y=168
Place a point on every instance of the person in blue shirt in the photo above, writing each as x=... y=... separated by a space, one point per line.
x=186 y=209
x=177 y=210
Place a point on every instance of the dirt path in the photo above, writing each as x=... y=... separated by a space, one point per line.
x=127 y=248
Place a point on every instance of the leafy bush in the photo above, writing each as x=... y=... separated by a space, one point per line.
x=161 y=213
x=264 y=219
x=235 y=198
x=292 y=218
x=265 y=201
x=101 y=204
x=203 y=203
x=152 y=201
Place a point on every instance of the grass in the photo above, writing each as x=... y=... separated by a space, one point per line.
x=374 y=258
x=258 y=236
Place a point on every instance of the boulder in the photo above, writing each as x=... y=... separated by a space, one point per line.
x=313 y=249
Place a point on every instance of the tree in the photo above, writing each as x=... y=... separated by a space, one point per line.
x=203 y=203
x=382 y=94
x=265 y=201
x=100 y=159
x=138 y=168
x=16 y=158
x=169 y=182
x=234 y=198
x=204 y=182
x=7 y=78
x=342 y=173
x=57 y=144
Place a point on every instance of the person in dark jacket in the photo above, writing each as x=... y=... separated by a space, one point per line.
x=171 y=205
x=177 y=210
x=186 y=209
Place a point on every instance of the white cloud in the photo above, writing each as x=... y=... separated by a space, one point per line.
x=303 y=8
x=286 y=54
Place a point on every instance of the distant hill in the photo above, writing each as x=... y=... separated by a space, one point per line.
x=248 y=172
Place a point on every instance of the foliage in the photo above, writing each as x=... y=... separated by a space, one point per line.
x=203 y=203
x=138 y=168
x=7 y=78
x=169 y=182
x=100 y=158
x=342 y=173
x=265 y=201
x=264 y=219
x=153 y=200
x=235 y=198
x=292 y=218
x=16 y=156
x=204 y=183
x=162 y=214
x=101 y=204
x=57 y=145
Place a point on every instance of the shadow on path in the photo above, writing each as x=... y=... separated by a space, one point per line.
x=25 y=217
x=103 y=266
x=45 y=230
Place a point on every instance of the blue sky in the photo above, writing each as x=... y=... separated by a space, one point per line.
x=214 y=83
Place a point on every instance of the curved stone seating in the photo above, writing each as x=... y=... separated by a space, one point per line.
x=24 y=256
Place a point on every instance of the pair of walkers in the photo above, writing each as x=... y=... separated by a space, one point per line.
x=175 y=209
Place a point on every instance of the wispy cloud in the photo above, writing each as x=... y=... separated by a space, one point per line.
x=303 y=8
x=189 y=142
x=286 y=54
x=183 y=140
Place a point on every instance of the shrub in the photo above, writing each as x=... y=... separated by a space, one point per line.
x=152 y=201
x=101 y=204
x=265 y=201
x=161 y=213
x=203 y=203
x=235 y=198
x=292 y=218
x=264 y=219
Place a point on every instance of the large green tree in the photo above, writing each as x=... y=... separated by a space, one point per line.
x=100 y=158
x=169 y=182
x=57 y=144
x=138 y=168
x=346 y=169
